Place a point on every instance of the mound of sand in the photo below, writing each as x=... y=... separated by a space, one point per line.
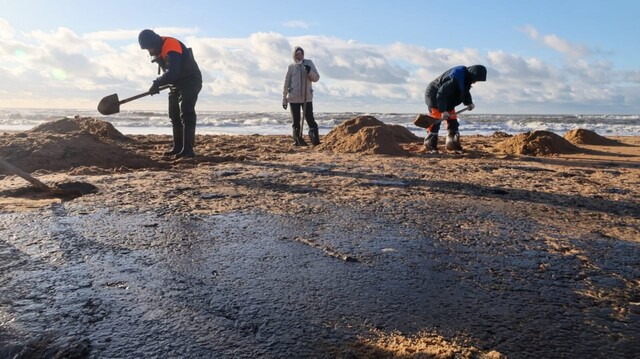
x=537 y=143
x=402 y=135
x=364 y=134
x=89 y=142
x=89 y=125
x=585 y=137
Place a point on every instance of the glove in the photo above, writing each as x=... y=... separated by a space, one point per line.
x=284 y=105
x=445 y=116
x=308 y=68
x=471 y=107
x=154 y=89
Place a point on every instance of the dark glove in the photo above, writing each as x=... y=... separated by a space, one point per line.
x=284 y=105
x=154 y=89
x=308 y=68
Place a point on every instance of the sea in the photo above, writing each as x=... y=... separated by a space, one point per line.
x=279 y=123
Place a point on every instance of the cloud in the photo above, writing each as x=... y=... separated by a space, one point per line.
x=296 y=24
x=6 y=30
x=247 y=73
x=558 y=44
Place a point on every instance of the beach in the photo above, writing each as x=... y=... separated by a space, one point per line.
x=361 y=247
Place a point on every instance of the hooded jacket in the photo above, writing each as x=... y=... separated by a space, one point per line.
x=297 y=79
x=175 y=60
x=452 y=87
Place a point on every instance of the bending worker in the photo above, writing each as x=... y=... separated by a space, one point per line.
x=442 y=96
x=180 y=70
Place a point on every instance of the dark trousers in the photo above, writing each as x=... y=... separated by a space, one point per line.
x=182 y=102
x=308 y=115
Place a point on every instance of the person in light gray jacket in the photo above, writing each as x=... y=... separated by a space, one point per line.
x=298 y=93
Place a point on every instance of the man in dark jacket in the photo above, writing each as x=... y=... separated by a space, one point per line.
x=443 y=95
x=180 y=70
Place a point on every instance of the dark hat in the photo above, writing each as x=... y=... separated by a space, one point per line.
x=149 y=40
x=478 y=72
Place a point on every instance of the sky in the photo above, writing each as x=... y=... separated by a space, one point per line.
x=543 y=57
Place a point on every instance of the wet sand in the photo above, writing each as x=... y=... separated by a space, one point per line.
x=260 y=249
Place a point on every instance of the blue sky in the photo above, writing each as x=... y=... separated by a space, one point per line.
x=543 y=56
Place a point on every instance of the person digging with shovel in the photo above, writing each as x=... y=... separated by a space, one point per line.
x=298 y=93
x=180 y=71
x=442 y=96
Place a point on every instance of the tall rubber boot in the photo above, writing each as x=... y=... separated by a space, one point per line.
x=314 y=136
x=453 y=142
x=431 y=142
x=299 y=141
x=189 y=140
x=178 y=141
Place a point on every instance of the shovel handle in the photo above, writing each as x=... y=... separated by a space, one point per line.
x=463 y=110
x=457 y=113
x=164 y=87
x=15 y=170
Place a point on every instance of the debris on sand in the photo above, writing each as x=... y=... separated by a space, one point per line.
x=501 y=134
x=581 y=136
x=366 y=135
x=537 y=143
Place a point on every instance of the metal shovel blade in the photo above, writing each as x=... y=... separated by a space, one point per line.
x=109 y=105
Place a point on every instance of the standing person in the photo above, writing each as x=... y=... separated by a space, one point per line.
x=298 y=93
x=443 y=95
x=180 y=70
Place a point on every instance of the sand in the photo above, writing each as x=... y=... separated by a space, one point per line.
x=523 y=246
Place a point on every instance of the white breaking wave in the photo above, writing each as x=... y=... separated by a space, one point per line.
x=157 y=122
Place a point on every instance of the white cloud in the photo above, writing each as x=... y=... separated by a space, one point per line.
x=556 y=43
x=6 y=30
x=247 y=73
x=297 y=24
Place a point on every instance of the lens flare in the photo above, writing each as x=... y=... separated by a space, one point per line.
x=59 y=74
x=19 y=53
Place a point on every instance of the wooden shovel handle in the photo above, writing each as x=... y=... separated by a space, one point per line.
x=143 y=94
x=15 y=170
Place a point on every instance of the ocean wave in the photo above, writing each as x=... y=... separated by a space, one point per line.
x=237 y=122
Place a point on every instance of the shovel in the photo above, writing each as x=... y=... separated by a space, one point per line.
x=111 y=104
x=426 y=121
x=15 y=170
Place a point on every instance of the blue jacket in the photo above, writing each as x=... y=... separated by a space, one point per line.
x=450 y=89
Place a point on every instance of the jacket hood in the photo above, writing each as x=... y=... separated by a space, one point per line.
x=149 y=40
x=477 y=72
x=295 y=49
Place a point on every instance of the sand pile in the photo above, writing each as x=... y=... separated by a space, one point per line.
x=367 y=135
x=536 y=143
x=89 y=125
x=69 y=143
x=402 y=135
x=585 y=137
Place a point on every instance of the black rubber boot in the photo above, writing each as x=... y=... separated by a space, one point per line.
x=299 y=141
x=178 y=140
x=431 y=143
x=453 y=142
x=189 y=140
x=314 y=136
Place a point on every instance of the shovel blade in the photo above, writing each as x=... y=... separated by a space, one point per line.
x=425 y=121
x=109 y=105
